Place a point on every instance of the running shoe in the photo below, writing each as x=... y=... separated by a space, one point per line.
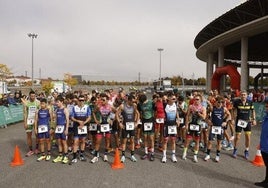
x=93 y=152
x=246 y=154
x=73 y=161
x=152 y=157
x=123 y=159
x=224 y=143
x=43 y=157
x=235 y=153
x=164 y=159
x=65 y=160
x=173 y=158
x=95 y=159
x=184 y=156
x=82 y=158
x=48 y=157
x=195 y=159
x=217 y=158
x=58 y=159
x=105 y=158
x=207 y=157
x=145 y=156
x=192 y=144
x=229 y=147
x=30 y=153
x=133 y=158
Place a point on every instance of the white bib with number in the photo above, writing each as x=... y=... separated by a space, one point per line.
x=93 y=127
x=194 y=127
x=172 y=129
x=105 y=128
x=30 y=121
x=148 y=126
x=83 y=130
x=59 y=129
x=216 y=130
x=159 y=120
x=181 y=120
x=203 y=124
x=129 y=126
x=42 y=128
x=242 y=123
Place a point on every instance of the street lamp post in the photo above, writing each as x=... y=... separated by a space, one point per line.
x=160 y=50
x=32 y=35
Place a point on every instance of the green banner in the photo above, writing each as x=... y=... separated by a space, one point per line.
x=259 y=110
x=11 y=114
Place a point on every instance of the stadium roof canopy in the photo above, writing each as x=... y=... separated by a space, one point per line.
x=238 y=22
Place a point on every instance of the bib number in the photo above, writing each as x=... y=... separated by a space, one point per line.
x=216 y=130
x=42 y=129
x=129 y=126
x=93 y=127
x=159 y=120
x=181 y=121
x=242 y=123
x=203 y=124
x=82 y=130
x=30 y=121
x=148 y=126
x=59 y=129
x=105 y=128
x=172 y=129
x=194 y=127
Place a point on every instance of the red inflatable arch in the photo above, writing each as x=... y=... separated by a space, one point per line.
x=233 y=74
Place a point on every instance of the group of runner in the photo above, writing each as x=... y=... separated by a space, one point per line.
x=76 y=120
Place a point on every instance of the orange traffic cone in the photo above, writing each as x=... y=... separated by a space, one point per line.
x=258 y=161
x=117 y=163
x=17 y=160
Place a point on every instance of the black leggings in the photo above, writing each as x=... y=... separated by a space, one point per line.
x=265 y=159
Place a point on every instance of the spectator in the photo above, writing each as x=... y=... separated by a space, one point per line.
x=11 y=100
x=17 y=97
x=4 y=100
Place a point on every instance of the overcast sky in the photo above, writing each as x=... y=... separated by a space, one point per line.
x=106 y=39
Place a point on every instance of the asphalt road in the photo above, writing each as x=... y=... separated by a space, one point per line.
x=229 y=172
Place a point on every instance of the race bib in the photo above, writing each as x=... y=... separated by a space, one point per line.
x=59 y=129
x=194 y=127
x=112 y=115
x=216 y=130
x=159 y=120
x=181 y=120
x=172 y=129
x=30 y=121
x=42 y=128
x=93 y=127
x=148 y=126
x=105 y=128
x=242 y=123
x=83 y=130
x=130 y=126
x=203 y=124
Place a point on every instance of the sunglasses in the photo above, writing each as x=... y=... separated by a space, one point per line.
x=197 y=99
x=173 y=99
x=81 y=100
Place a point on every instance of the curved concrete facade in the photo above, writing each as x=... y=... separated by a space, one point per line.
x=213 y=50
